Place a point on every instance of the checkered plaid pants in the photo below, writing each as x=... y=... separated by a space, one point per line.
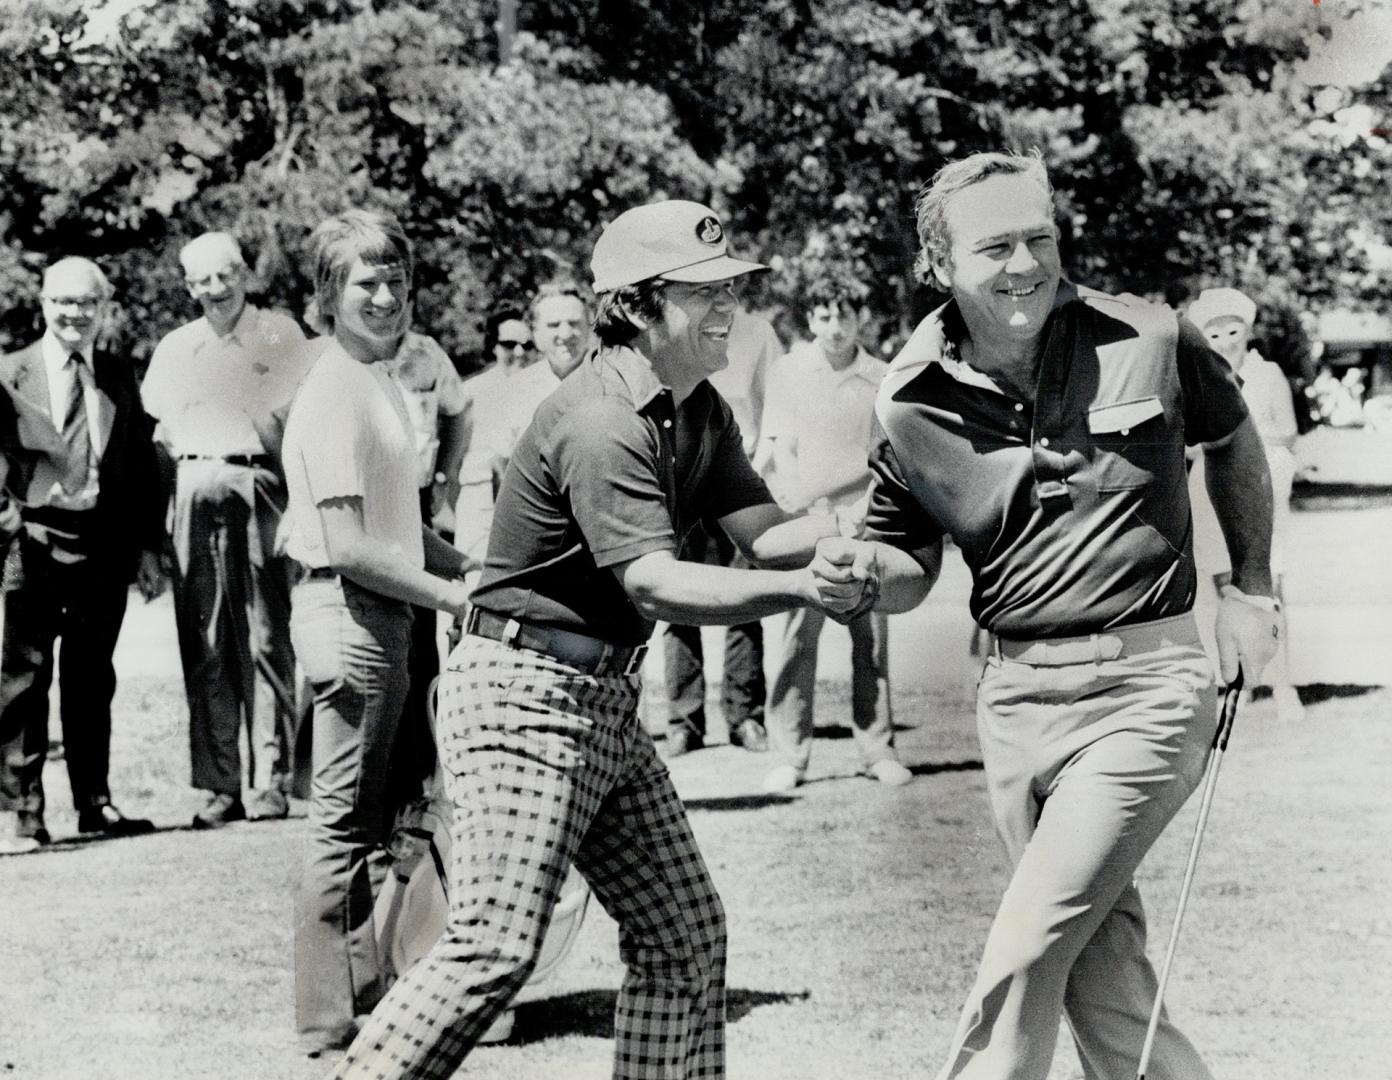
x=546 y=766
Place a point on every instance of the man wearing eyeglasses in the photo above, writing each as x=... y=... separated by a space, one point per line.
x=80 y=519
x=219 y=388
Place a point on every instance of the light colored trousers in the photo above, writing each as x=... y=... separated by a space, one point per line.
x=546 y=766
x=793 y=687
x=1086 y=764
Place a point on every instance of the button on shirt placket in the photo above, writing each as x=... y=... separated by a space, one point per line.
x=1046 y=427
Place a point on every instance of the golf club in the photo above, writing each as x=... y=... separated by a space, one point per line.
x=1226 y=715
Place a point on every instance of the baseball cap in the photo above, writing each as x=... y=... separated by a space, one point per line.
x=674 y=239
x=1217 y=303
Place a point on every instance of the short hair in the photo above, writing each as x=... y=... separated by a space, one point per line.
x=611 y=322
x=494 y=323
x=72 y=262
x=370 y=235
x=833 y=291
x=930 y=208
x=555 y=287
x=211 y=244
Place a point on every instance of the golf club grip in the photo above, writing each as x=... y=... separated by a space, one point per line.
x=1228 y=712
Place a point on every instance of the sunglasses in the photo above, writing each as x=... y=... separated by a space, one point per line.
x=525 y=346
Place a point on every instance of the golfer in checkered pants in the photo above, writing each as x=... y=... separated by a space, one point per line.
x=545 y=760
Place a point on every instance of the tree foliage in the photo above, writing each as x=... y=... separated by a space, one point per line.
x=1185 y=147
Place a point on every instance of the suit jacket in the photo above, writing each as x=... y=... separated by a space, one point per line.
x=129 y=514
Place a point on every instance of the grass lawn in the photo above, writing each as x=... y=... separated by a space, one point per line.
x=856 y=915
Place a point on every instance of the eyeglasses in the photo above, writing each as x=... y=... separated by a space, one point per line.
x=525 y=346
x=82 y=303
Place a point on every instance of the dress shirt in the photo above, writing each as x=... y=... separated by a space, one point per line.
x=60 y=376
x=224 y=395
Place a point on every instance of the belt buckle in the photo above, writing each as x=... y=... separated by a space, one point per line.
x=635 y=661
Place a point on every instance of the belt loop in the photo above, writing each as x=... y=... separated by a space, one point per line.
x=1096 y=641
x=996 y=648
x=510 y=632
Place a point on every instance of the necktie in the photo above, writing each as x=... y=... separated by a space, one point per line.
x=75 y=434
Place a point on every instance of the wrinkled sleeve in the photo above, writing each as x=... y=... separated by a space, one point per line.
x=895 y=516
x=607 y=466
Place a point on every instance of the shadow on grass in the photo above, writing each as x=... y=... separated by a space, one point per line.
x=591 y=1013
x=82 y=841
x=932 y=768
x=842 y=731
x=1314 y=693
x=739 y=802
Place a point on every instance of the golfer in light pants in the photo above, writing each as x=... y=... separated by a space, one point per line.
x=1043 y=427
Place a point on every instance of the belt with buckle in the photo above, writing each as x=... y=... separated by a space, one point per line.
x=247 y=461
x=591 y=655
x=1110 y=644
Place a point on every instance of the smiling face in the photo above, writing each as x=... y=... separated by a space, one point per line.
x=374 y=308
x=73 y=302
x=1002 y=265
x=1230 y=337
x=691 y=333
x=216 y=278
x=561 y=334
x=514 y=345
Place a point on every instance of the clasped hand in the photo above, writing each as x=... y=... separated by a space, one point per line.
x=845 y=577
x=1247 y=636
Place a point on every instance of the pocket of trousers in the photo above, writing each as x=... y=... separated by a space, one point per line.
x=316 y=631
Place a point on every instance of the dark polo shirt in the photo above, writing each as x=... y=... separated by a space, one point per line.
x=607 y=471
x=1070 y=507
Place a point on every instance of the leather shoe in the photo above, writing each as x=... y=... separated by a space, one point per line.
x=29 y=825
x=751 y=735
x=267 y=805
x=682 y=740
x=220 y=810
x=109 y=821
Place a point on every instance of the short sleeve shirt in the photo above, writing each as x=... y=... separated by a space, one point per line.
x=431 y=388
x=1069 y=506
x=349 y=436
x=826 y=414
x=216 y=396
x=609 y=470
x=752 y=350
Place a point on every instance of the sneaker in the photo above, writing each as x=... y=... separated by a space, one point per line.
x=220 y=810
x=751 y=735
x=782 y=779
x=267 y=805
x=17 y=845
x=682 y=740
x=889 y=772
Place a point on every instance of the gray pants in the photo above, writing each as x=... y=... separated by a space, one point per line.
x=353 y=645
x=1086 y=763
x=793 y=687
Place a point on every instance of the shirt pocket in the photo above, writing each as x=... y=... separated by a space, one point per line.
x=1130 y=442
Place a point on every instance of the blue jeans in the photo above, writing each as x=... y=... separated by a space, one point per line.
x=353 y=645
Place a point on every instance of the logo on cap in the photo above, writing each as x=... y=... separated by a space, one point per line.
x=708 y=231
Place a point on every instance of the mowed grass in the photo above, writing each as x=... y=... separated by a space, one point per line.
x=856 y=915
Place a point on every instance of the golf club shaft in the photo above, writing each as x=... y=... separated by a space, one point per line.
x=1215 y=762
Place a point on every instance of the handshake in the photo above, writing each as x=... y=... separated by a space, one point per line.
x=845 y=577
